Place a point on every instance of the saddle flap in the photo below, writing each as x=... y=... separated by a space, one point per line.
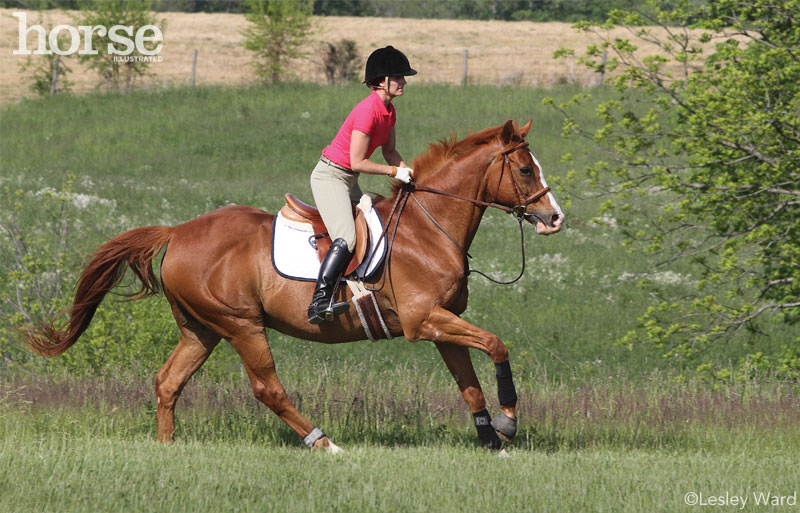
x=362 y=243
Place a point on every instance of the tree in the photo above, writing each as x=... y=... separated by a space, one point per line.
x=277 y=31
x=49 y=71
x=118 y=72
x=703 y=140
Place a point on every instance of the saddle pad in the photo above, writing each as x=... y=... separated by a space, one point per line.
x=295 y=258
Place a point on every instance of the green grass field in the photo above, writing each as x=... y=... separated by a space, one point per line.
x=602 y=427
x=96 y=474
x=88 y=445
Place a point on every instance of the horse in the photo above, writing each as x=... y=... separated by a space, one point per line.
x=218 y=277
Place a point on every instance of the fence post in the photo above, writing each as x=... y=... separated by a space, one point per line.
x=466 y=60
x=602 y=74
x=54 y=74
x=194 y=65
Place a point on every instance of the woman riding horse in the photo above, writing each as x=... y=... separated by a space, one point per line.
x=334 y=181
x=220 y=282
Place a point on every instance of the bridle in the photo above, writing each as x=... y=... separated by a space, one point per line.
x=518 y=210
x=522 y=203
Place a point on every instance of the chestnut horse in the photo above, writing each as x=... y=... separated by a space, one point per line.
x=218 y=277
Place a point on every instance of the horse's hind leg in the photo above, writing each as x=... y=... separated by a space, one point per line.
x=257 y=358
x=195 y=346
x=459 y=363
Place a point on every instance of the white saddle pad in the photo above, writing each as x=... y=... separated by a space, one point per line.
x=295 y=258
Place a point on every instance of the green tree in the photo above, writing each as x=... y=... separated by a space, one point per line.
x=703 y=168
x=278 y=30
x=118 y=72
x=49 y=71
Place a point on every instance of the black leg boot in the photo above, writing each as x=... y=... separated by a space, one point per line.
x=322 y=307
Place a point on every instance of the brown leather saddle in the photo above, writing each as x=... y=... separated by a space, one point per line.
x=299 y=212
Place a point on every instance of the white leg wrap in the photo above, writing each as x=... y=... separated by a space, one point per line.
x=313 y=436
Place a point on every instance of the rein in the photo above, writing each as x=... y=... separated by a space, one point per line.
x=518 y=210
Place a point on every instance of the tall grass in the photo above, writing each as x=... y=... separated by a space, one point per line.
x=409 y=408
x=88 y=444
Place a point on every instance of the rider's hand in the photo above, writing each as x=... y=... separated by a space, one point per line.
x=404 y=174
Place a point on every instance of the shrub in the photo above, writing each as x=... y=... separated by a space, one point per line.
x=340 y=61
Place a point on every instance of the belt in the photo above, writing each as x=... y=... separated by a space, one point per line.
x=334 y=164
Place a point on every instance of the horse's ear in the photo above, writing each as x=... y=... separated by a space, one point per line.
x=526 y=128
x=507 y=134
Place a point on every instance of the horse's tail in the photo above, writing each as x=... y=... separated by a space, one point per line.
x=134 y=249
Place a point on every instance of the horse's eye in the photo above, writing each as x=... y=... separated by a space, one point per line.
x=526 y=171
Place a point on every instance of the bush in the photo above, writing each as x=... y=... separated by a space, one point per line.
x=340 y=61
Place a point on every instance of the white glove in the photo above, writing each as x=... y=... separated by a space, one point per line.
x=404 y=174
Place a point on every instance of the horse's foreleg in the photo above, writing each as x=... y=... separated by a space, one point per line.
x=459 y=363
x=267 y=388
x=445 y=327
x=191 y=353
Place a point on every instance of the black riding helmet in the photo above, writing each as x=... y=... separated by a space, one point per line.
x=386 y=62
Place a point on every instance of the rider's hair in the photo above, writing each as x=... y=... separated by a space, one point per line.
x=376 y=83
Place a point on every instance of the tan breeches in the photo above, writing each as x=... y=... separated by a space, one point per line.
x=335 y=190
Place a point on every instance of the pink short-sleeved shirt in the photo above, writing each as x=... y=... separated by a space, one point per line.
x=371 y=117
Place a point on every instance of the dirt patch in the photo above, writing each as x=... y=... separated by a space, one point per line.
x=499 y=52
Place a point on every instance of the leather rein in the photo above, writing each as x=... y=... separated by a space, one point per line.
x=522 y=203
x=518 y=210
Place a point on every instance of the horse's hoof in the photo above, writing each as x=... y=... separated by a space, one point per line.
x=333 y=448
x=503 y=454
x=325 y=444
x=505 y=426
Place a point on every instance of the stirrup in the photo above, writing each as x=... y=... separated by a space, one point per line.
x=318 y=316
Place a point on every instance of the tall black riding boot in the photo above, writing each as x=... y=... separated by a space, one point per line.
x=322 y=307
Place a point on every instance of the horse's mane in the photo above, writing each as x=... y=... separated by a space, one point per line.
x=446 y=149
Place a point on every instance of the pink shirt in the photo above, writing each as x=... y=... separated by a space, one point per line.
x=371 y=117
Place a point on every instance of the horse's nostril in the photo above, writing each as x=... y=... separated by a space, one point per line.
x=555 y=220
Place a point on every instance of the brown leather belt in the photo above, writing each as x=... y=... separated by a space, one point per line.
x=328 y=161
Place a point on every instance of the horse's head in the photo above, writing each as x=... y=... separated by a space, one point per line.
x=515 y=179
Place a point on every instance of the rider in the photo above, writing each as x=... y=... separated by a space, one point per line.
x=334 y=181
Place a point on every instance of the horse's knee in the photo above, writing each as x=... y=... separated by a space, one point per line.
x=497 y=350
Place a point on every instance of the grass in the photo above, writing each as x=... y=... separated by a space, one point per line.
x=90 y=474
x=403 y=408
x=87 y=445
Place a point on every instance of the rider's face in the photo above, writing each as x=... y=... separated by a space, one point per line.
x=395 y=85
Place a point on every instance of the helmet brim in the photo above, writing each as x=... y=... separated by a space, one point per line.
x=410 y=72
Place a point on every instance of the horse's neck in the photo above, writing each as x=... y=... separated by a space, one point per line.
x=458 y=217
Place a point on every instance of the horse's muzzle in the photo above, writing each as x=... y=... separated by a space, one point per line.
x=547 y=224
